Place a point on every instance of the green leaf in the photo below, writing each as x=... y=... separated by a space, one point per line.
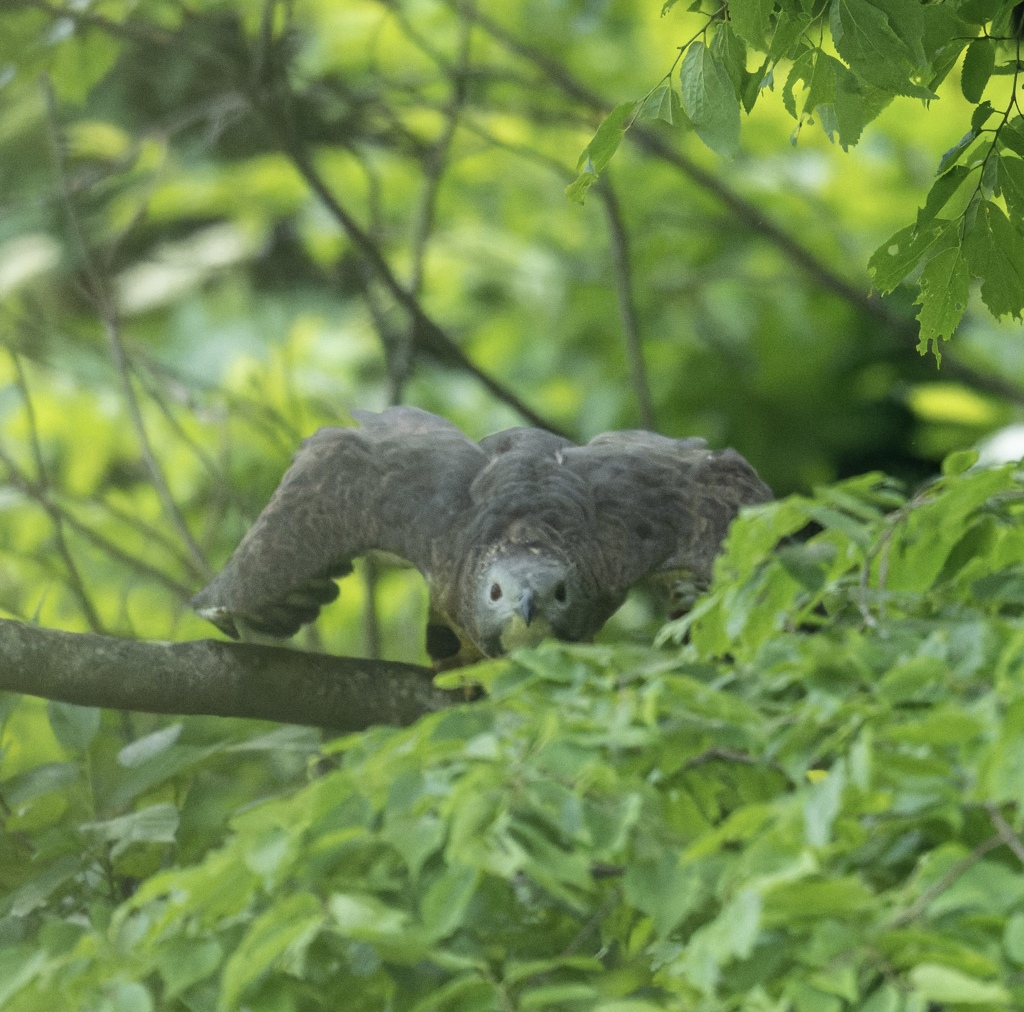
x=822 y=804
x=598 y=153
x=865 y=39
x=994 y=250
x=942 y=189
x=145 y=748
x=658 y=105
x=73 y=726
x=1012 y=136
x=184 y=961
x=981 y=116
x=445 y=902
x=1011 y=185
x=1013 y=938
x=857 y=103
x=154 y=824
x=945 y=285
x=907 y=249
x=959 y=462
x=953 y=154
x=278 y=937
x=943 y=984
x=81 y=62
x=38 y=781
x=979 y=60
x=728 y=49
x=710 y=100
x=752 y=21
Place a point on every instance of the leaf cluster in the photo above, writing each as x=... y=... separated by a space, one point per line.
x=813 y=803
x=842 y=63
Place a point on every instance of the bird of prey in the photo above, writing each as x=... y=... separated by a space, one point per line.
x=520 y=536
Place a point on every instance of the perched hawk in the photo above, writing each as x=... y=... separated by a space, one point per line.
x=520 y=536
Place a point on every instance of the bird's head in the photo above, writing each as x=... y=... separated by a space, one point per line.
x=525 y=597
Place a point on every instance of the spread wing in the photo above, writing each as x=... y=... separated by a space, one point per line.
x=399 y=483
x=661 y=504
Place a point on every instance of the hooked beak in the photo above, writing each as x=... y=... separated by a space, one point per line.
x=527 y=606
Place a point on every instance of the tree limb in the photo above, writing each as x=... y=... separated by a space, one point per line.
x=215 y=678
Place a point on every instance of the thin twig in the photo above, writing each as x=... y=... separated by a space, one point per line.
x=104 y=306
x=1006 y=833
x=40 y=495
x=428 y=336
x=627 y=306
x=437 y=158
x=593 y=923
x=74 y=576
x=938 y=887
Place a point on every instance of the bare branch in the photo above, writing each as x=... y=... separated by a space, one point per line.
x=427 y=335
x=938 y=887
x=74 y=576
x=627 y=307
x=58 y=514
x=215 y=678
x=1006 y=833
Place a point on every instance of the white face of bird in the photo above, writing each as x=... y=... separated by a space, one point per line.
x=522 y=599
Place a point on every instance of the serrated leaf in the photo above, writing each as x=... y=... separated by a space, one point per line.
x=729 y=50
x=945 y=285
x=979 y=61
x=1011 y=185
x=710 y=100
x=865 y=39
x=856 y=105
x=1012 y=136
x=994 y=250
x=756 y=82
x=981 y=115
x=752 y=21
x=907 y=249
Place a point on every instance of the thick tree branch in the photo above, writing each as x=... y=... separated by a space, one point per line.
x=215 y=678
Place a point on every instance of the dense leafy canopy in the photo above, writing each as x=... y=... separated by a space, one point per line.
x=888 y=49
x=802 y=808
x=224 y=222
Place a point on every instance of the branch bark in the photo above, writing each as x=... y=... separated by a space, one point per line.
x=215 y=678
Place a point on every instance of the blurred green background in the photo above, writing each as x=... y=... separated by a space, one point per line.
x=178 y=308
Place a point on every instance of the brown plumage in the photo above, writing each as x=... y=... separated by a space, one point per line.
x=519 y=536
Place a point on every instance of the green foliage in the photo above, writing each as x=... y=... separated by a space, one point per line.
x=813 y=802
x=885 y=50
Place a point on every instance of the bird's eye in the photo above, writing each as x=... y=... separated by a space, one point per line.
x=560 y=593
x=495 y=591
